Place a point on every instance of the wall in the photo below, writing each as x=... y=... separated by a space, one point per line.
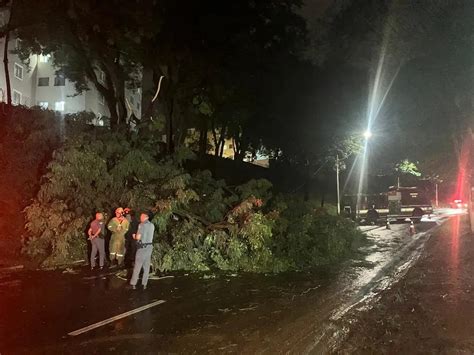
x=25 y=85
x=52 y=94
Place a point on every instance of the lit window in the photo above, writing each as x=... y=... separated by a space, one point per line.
x=16 y=97
x=43 y=81
x=59 y=106
x=44 y=58
x=43 y=104
x=18 y=71
x=59 y=79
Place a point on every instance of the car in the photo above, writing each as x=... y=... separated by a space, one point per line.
x=458 y=204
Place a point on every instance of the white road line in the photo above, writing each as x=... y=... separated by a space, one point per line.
x=12 y=268
x=113 y=319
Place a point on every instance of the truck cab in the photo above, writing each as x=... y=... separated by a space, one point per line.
x=398 y=203
x=408 y=202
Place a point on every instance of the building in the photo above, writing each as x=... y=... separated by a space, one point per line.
x=41 y=84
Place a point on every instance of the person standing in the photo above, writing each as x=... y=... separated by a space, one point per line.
x=96 y=234
x=130 y=243
x=144 y=238
x=118 y=226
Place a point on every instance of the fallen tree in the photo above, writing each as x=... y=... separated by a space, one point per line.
x=201 y=223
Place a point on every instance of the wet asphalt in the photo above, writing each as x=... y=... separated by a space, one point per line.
x=40 y=308
x=202 y=313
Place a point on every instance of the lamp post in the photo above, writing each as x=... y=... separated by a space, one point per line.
x=338 y=186
x=367 y=135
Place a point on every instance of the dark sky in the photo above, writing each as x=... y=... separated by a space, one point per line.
x=315 y=8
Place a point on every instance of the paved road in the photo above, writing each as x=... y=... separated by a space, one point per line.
x=430 y=311
x=226 y=314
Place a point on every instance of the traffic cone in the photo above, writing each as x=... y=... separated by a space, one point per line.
x=412 y=228
x=387 y=225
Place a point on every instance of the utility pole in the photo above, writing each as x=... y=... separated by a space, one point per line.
x=338 y=187
x=437 y=199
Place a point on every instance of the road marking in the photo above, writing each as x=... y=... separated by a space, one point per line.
x=12 y=268
x=113 y=319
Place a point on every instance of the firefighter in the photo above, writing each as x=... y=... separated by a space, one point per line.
x=96 y=236
x=144 y=238
x=118 y=226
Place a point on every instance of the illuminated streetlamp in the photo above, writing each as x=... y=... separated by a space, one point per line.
x=367 y=135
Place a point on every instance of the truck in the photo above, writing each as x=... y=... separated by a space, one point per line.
x=397 y=203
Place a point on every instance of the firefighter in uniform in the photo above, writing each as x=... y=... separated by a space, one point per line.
x=144 y=238
x=118 y=226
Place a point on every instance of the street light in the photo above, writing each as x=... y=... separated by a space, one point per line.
x=367 y=135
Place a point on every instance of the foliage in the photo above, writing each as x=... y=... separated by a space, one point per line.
x=93 y=172
x=306 y=236
x=407 y=167
x=202 y=223
x=27 y=139
x=204 y=86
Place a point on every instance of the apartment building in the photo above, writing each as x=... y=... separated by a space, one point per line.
x=41 y=84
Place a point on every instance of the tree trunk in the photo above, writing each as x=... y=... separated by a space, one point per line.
x=112 y=106
x=7 y=71
x=203 y=137
x=150 y=82
x=240 y=148
x=179 y=125
x=121 y=110
x=221 y=149
x=5 y=56
x=170 y=129
x=215 y=139
x=116 y=86
x=119 y=85
x=222 y=141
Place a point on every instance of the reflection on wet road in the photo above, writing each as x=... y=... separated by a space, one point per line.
x=227 y=313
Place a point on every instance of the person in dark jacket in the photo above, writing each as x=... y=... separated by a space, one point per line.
x=130 y=243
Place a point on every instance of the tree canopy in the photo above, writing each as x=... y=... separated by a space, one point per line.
x=247 y=71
